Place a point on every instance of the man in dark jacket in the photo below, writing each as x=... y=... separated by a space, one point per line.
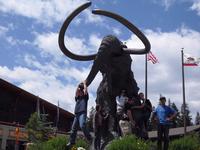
x=147 y=109
x=80 y=112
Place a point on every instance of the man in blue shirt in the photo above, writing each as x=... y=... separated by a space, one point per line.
x=80 y=112
x=164 y=114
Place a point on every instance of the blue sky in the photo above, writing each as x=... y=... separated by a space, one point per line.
x=30 y=57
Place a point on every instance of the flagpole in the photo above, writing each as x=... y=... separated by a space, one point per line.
x=183 y=82
x=145 y=76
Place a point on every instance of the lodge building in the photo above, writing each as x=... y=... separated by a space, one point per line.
x=16 y=107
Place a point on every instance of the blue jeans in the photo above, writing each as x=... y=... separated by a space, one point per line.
x=79 y=120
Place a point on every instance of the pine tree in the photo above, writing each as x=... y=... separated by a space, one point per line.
x=169 y=102
x=187 y=116
x=38 y=128
x=197 y=119
x=175 y=121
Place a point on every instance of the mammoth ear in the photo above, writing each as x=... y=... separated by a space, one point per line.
x=63 y=29
x=131 y=27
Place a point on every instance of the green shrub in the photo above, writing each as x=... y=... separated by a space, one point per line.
x=129 y=142
x=38 y=128
x=190 y=142
x=82 y=143
x=57 y=143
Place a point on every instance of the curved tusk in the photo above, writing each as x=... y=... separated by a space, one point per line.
x=131 y=27
x=63 y=29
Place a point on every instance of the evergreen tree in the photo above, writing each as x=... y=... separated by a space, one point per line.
x=38 y=128
x=197 y=119
x=169 y=102
x=187 y=116
x=176 y=120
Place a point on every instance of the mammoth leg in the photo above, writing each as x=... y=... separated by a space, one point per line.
x=108 y=105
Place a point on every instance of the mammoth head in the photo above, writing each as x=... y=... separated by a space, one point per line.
x=122 y=47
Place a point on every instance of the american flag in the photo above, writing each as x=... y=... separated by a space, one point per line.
x=151 y=57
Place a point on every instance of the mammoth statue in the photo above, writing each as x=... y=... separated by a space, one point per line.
x=112 y=60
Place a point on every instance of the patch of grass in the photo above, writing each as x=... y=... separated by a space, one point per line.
x=57 y=143
x=129 y=142
x=189 y=142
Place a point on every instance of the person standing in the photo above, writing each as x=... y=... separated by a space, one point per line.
x=121 y=100
x=164 y=115
x=147 y=109
x=80 y=112
x=134 y=110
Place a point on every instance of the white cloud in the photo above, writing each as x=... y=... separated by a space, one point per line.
x=68 y=72
x=165 y=3
x=3 y=31
x=11 y=40
x=94 y=41
x=45 y=11
x=116 y=31
x=48 y=44
x=196 y=6
x=91 y=18
x=21 y=74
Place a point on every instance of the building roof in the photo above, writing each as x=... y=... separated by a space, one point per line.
x=11 y=87
x=176 y=131
x=16 y=105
